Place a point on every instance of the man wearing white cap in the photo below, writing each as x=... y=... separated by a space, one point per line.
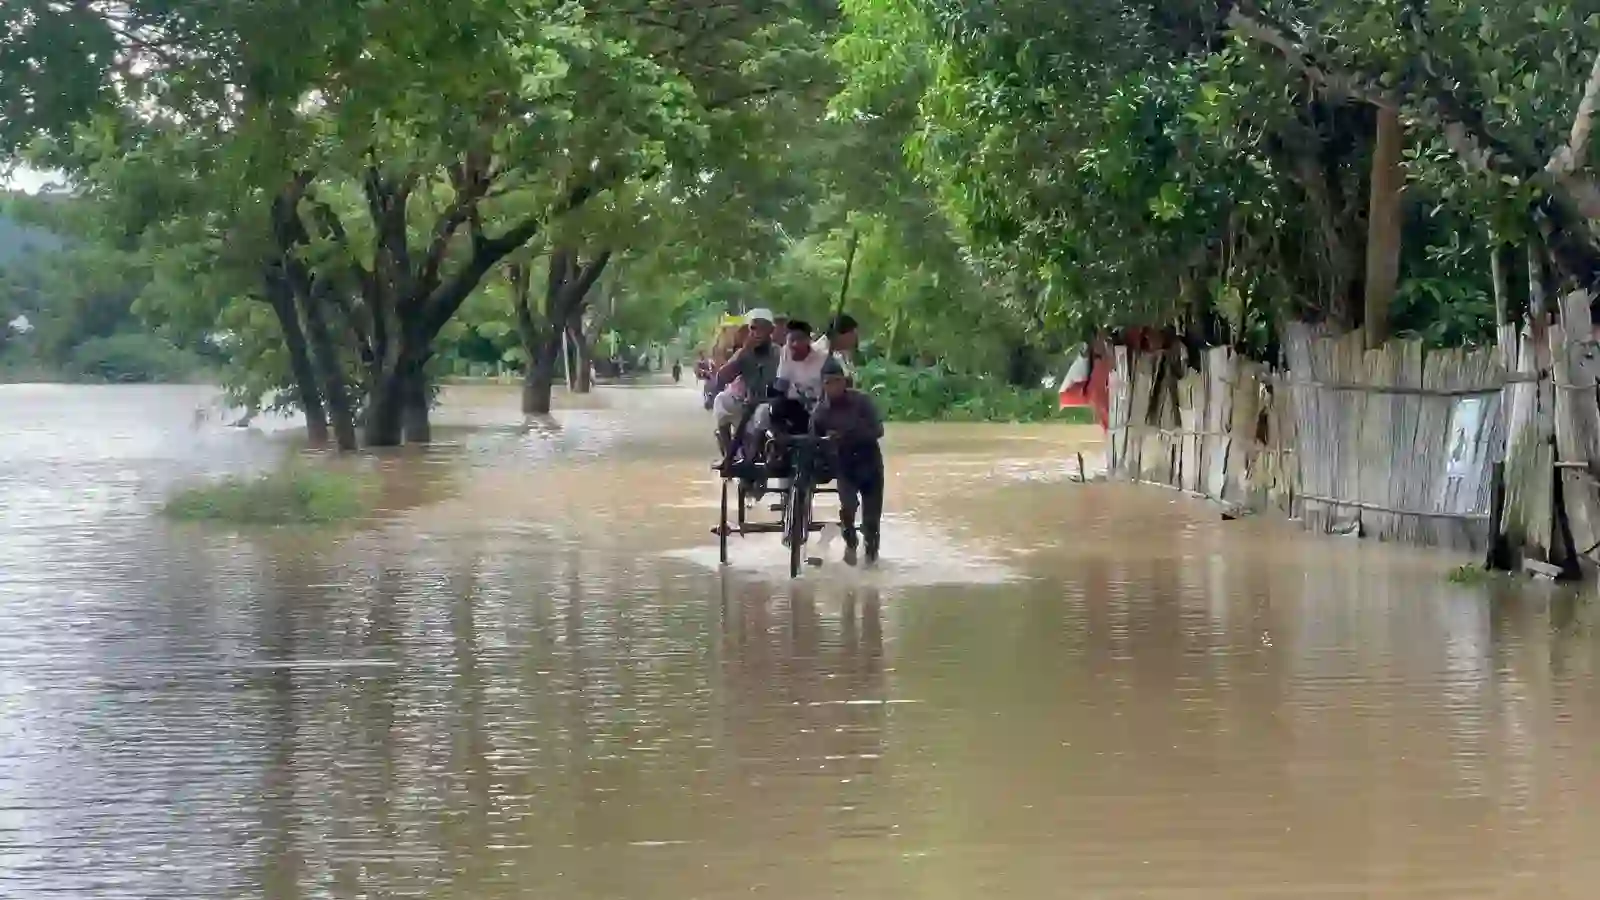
x=755 y=366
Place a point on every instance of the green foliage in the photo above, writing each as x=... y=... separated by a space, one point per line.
x=18 y=366
x=937 y=393
x=21 y=236
x=1158 y=164
x=1000 y=179
x=379 y=161
x=78 y=294
x=132 y=357
x=1444 y=312
x=298 y=495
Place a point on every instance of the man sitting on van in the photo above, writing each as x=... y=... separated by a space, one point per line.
x=753 y=369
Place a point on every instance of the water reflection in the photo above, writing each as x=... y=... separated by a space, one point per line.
x=528 y=690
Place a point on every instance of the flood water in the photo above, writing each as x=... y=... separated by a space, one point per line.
x=527 y=677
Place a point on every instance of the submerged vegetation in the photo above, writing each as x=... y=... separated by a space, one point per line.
x=1469 y=574
x=297 y=495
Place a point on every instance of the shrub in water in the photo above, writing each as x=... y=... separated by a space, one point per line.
x=936 y=393
x=132 y=357
x=290 y=497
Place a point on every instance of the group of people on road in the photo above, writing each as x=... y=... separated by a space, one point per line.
x=769 y=378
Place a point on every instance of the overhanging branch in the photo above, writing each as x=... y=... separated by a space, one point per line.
x=1257 y=26
x=1570 y=157
x=471 y=181
x=487 y=252
x=1463 y=128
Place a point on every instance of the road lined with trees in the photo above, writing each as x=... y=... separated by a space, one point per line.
x=361 y=198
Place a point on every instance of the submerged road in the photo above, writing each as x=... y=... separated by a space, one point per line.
x=527 y=677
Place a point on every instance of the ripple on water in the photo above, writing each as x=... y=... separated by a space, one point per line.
x=914 y=557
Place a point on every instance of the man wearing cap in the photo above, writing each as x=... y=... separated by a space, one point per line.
x=850 y=420
x=755 y=366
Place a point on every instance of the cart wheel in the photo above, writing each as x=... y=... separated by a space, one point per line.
x=722 y=531
x=798 y=519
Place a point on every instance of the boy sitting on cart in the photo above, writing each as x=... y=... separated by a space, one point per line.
x=795 y=392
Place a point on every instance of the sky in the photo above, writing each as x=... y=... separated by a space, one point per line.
x=27 y=180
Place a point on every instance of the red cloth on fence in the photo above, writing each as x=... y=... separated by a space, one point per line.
x=1094 y=392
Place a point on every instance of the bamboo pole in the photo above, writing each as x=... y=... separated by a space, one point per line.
x=844 y=288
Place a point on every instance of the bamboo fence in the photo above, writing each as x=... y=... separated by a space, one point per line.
x=1489 y=449
x=1213 y=432
x=1395 y=443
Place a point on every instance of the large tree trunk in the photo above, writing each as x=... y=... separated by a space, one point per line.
x=1383 y=226
x=1319 y=149
x=280 y=295
x=330 y=367
x=539 y=378
x=415 y=400
x=543 y=330
x=540 y=345
x=382 y=427
x=583 y=362
x=310 y=292
x=411 y=292
x=398 y=400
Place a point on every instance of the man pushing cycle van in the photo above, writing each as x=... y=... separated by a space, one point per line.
x=850 y=420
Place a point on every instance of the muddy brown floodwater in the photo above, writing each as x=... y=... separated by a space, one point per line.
x=526 y=677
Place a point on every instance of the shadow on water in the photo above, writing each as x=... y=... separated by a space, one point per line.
x=524 y=681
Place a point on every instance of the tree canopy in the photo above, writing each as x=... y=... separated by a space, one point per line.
x=362 y=197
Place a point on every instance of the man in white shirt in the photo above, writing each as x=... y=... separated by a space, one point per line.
x=800 y=377
x=801 y=366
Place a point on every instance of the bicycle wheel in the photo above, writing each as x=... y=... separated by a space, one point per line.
x=798 y=519
x=722 y=530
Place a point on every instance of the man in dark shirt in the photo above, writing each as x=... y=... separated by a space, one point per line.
x=850 y=420
x=757 y=361
x=755 y=365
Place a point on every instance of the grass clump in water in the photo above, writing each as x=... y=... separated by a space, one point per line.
x=1469 y=574
x=293 y=496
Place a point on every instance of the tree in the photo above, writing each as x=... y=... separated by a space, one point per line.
x=541 y=325
x=1163 y=162
x=397 y=155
